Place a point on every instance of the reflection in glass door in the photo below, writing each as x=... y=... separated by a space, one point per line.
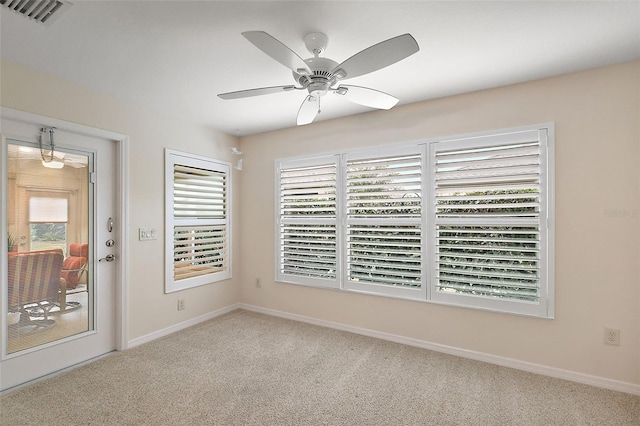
x=48 y=231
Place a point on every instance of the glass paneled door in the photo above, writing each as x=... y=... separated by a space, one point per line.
x=48 y=210
x=58 y=300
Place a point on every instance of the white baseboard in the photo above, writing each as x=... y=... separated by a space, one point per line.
x=559 y=373
x=180 y=326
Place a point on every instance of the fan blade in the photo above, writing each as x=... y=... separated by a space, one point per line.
x=308 y=110
x=367 y=97
x=278 y=51
x=255 y=92
x=377 y=57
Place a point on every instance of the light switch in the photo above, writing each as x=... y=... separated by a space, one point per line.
x=146 y=234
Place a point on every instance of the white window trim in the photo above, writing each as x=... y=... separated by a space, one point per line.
x=176 y=157
x=544 y=309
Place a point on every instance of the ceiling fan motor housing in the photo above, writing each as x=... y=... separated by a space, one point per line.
x=321 y=77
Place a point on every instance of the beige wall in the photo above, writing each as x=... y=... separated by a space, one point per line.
x=597 y=256
x=597 y=116
x=150 y=310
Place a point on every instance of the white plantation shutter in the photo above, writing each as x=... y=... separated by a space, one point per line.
x=199 y=193
x=199 y=250
x=489 y=222
x=307 y=222
x=459 y=221
x=198 y=219
x=383 y=221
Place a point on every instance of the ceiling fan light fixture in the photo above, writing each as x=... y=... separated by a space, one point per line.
x=318 y=88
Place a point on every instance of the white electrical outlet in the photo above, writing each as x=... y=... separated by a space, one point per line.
x=612 y=336
x=181 y=304
x=258 y=283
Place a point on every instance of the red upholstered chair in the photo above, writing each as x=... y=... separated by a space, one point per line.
x=75 y=265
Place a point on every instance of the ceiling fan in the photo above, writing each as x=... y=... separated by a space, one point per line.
x=320 y=75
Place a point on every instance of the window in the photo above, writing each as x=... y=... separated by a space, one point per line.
x=198 y=224
x=48 y=219
x=383 y=235
x=488 y=222
x=460 y=221
x=308 y=222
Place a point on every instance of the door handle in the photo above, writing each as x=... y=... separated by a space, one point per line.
x=110 y=225
x=108 y=258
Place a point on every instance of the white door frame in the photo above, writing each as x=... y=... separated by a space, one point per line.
x=122 y=207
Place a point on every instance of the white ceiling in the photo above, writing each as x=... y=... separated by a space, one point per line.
x=176 y=56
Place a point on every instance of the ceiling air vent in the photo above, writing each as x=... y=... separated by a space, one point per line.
x=43 y=11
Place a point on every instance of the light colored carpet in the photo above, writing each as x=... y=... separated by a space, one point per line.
x=247 y=368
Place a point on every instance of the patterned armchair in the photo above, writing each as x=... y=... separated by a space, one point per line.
x=34 y=278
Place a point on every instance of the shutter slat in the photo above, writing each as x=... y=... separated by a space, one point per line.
x=482 y=271
x=488 y=265
x=383 y=279
x=476 y=164
x=505 y=151
x=412 y=269
x=479 y=249
x=489 y=188
x=464 y=197
x=490 y=291
x=443 y=258
x=483 y=180
x=384 y=162
x=316 y=259
x=495 y=167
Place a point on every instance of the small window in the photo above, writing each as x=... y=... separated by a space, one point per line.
x=198 y=223
x=48 y=220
